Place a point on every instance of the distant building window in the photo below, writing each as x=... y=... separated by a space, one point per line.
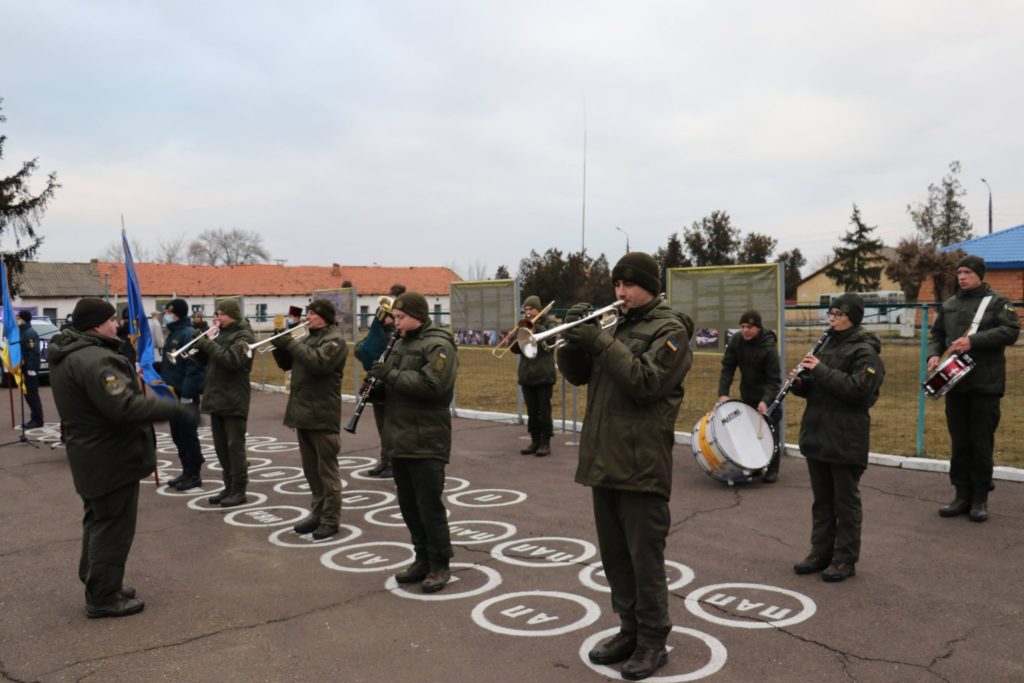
x=198 y=308
x=261 y=312
x=437 y=314
x=51 y=313
x=364 y=316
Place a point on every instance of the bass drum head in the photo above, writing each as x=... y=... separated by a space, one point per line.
x=743 y=434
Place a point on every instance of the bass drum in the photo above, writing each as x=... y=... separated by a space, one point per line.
x=733 y=441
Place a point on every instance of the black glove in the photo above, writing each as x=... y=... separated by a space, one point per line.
x=379 y=371
x=578 y=311
x=583 y=335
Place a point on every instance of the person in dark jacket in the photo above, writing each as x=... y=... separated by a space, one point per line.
x=537 y=379
x=187 y=379
x=753 y=351
x=972 y=406
x=226 y=396
x=634 y=376
x=106 y=421
x=419 y=383
x=30 y=369
x=840 y=384
x=317 y=364
x=367 y=351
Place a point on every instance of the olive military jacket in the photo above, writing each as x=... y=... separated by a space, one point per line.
x=30 y=347
x=419 y=381
x=758 y=361
x=635 y=389
x=540 y=370
x=105 y=417
x=183 y=375
x=317 y=362
x=999 y=328
x=836 y=426
x=228 y=366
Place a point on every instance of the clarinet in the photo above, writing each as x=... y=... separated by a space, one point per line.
x=800 y=371
x=368 y=384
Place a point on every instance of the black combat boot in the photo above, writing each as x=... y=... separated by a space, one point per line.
x=644 y=662
x=812 y=563
x=618 y=648
x=307 y=527
x=532 y=448
x=544 y=448
x=979 y=511
x=437 y=578
x=839 y=571
x=414 y=573
x=960 y=505
x=224 y=493
x=236 y=498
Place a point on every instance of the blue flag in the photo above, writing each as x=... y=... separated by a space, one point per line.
x=10 y=352
x=141 y=340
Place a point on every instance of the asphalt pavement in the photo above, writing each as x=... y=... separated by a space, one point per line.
x=235 y=595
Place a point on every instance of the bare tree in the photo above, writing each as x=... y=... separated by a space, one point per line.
x=232 y=247
x=114 y=252
x=171 y=251
x=478 y=271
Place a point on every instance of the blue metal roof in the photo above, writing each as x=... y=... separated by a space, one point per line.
x=1001 y=250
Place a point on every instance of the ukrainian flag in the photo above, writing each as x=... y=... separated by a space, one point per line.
x=10 y=347
x=139 y=327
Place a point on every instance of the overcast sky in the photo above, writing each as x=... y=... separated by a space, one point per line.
x=452 y=133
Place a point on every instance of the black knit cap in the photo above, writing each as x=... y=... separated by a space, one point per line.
x=639 y=268
x=751 y=317
x=852 y=305
x=25 y=315
x=178 y=307
x=91 y=312
x=412 y=304
x=324 y=309
x=975 y=263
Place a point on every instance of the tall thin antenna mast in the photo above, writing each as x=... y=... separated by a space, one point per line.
x=583 y=232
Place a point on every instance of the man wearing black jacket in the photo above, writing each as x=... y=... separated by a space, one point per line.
x=187 y=379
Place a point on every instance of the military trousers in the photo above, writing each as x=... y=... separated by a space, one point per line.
x=229 y=441
x=631 y=530
x=108 y=529
x=420 y=483
x=379 y=410
x=972 y=420
x=185 y=434
x=836 y=513
x=35 y=405
x=538 y=409
x=318 y=449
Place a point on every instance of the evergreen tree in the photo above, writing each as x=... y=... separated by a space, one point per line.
x=756 y=248
x=943 y=219
x=502 y=273
x=671 y=256
x=567 y=280
x=712 y=241
x=858 y=265
x=20 y=213
x=793 y=261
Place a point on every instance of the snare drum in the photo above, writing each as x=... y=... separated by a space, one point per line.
x=947 y=374
x=733 y=441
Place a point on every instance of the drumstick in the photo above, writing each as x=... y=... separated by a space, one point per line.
x=760 y=427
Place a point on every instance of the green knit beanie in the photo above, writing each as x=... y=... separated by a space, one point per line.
x=639 y=268
x=412 y=304
x=975 y=263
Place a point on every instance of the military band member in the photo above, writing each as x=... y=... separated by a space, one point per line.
x=419 y=383
x=753 y=351
x=226 y=396
x=537 y=379
x=106 y=421
x=30 y=370
x=187 y=380
x=634 y=376
x=841 y=384
x=972 y=406
x=367 y=351
x=317 y=364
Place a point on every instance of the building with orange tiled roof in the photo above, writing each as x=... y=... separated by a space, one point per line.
x=266 y=290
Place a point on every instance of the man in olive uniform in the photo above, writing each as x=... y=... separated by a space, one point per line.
x=753 y=351
x=972 y=406
x=30 y=369
x=187 y=379
x=226 y=396
x=317 y=364
x=840 y=384
x=537 y=378
x=106 y=421
x=419 y=382
x=635 y=388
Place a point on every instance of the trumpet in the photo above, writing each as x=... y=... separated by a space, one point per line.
x=187 y=349
x=529 y=343
x=505 y=345
x=263 y=345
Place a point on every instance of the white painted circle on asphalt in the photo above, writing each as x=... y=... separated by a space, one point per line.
x=353 y=462
x=274 y=473
x=589 y=576
x=486 y=498
x=196 y=503
x=268 y=516
x=453 y=484
x=387 y=516
x=591 y=613
x=357 y=499
x=253 y=463
x=287 y=538
x=725 y=595
x=363 y=558
x=204 y=490
x=469 y=532
x=543 y=551
x=493 y=580
x=719 y=655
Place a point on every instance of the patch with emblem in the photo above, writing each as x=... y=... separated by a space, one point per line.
x=331 y=346
x=31 y=343
x=667 y=353
x=114 y=384
x=441 y=361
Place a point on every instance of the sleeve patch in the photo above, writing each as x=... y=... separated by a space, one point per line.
x=666 y=354
x=114 y=384
x=441 y=362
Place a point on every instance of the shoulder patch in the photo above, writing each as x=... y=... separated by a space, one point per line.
x=114 y=384
x=441 y=361
x=667 y=353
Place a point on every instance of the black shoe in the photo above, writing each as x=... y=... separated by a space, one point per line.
x=979 y=511
x=325 y=531
x=31 y=424
x=644 y=662
x=307 y=527
x=618 y=648
x=770 y=477
x=414 y=573
x=959 y=506
x=812 y=563
x=386 y=473
x=838 y=571
x=234 y=500
x=120 y=607
x=126 y=592
x=531 y=449
x=376 y=470
x=171 y=483
x=437 y=579
x=190 y=481
x=543 y=449
x=218 y=498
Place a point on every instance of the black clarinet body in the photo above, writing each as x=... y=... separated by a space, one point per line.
x=368 y=384
x=800 y=371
